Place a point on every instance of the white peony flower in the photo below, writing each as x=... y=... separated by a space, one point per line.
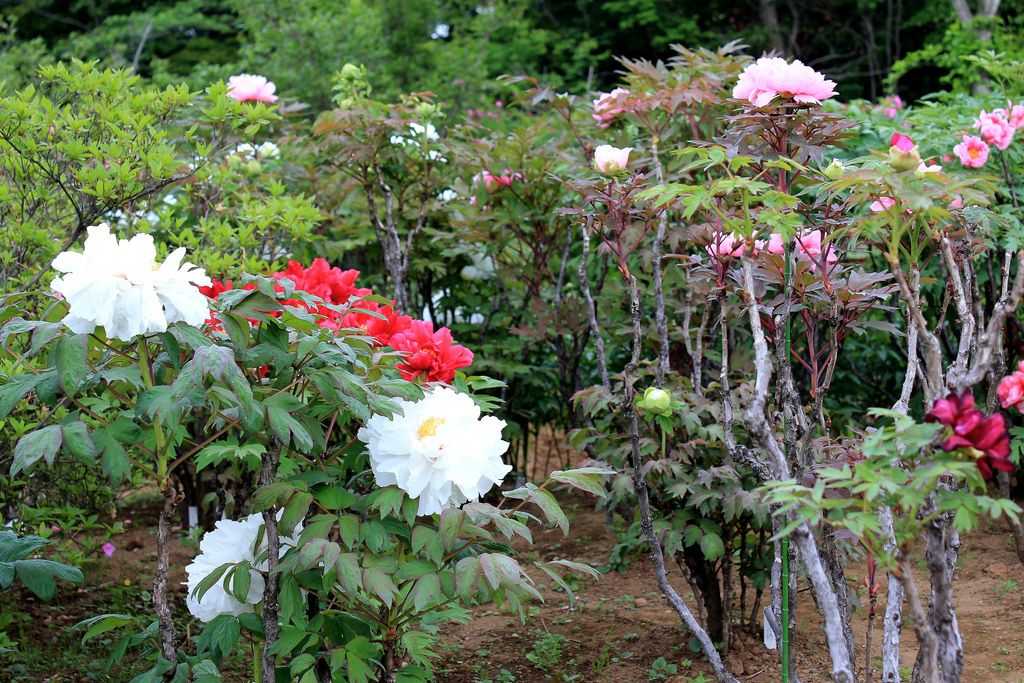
x=118 y=285
x=266 y=150
x=230 y=541
x=438 y=450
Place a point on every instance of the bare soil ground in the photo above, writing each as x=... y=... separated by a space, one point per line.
x=619 y=627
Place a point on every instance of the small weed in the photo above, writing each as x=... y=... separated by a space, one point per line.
x=1007 y=587
x=547 y=651
x=661 y=670
x=604 y=658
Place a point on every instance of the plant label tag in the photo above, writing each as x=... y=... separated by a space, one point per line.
x=193 y=516
x=769 y=633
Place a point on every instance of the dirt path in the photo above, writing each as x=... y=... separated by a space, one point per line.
x=621 y=625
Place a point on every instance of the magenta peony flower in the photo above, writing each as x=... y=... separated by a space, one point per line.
x=882 y=204
x=971 y=429
x=972 y=151
x=771 y=77
x=903 y=143
x=108 y=549
x=250 y=88
x=1011 y=388
x=995 y=129
x=609 y=106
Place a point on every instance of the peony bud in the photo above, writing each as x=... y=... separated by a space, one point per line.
x=656 y=402
x=611 y=160
x=902 y=160
x=835 y=170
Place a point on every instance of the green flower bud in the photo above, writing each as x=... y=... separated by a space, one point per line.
x=835 y=170
x=656 y=402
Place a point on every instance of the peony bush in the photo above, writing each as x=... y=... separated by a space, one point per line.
x=684 y=277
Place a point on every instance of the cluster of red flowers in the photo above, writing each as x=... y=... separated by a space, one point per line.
x=430 y=355
x=972 y=429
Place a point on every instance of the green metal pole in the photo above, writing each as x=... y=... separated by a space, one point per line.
x=784 y=543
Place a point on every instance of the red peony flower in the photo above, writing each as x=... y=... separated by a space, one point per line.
x=380 y=329
x=430 y=355
x=972 y=429
x=1011 y=388
x=332 y=284
x=217 y=288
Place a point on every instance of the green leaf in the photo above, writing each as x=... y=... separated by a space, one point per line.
x=335 y=497
x=42 y=443
x=413 y=569
x=294 y=512
x=39 y=576
x=72 y=369
x=589 y=479
x=712 y=547
x=102 y=623
x=115 y=461
x=77 y=442
x=348 y=528
x=349 y=573
x=17 y=388
x=380 y=584
x=427 y=592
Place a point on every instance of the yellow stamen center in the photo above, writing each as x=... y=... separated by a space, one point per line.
x=429 y=427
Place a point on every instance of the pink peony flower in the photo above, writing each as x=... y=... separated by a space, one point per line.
x=724 y=246
x=609 y=106
x=492 y=183
x=891 y=112
x=972 y=151
x=808 y=248
x=903 y=143
x=1011 y=388
x=776 y=245
x=771 y=77
x=882 y=204
x=250 y=88
x=1015 y=115
x=995 y=129
x=108 y=549
x=957 y=203
x=611 y=160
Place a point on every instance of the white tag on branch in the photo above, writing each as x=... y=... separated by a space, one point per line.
x=193 y=516
x=769 y=633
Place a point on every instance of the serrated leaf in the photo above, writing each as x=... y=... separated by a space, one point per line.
x=42 y=443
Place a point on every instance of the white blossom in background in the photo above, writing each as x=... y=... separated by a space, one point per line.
x=441 y=32
x=438 y=450
x=266 y=150
x=418 y=133
x=445 y=196
x=234 y=542
x=119 y=286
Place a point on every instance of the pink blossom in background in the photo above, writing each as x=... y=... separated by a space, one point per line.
x=775 y=244
x=903 y=143
x=726 y=246
x=108 y=549
x=493 y=183
x=771 y=77
x=1011 y=388
x=808 y=248
x=882 y=204
x=609 y=106
x=251 y=88
x=972 y=151
x=924 y=167
x=1016 y=115
x=995 y=129
x=892 y=106
x=957 y=203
